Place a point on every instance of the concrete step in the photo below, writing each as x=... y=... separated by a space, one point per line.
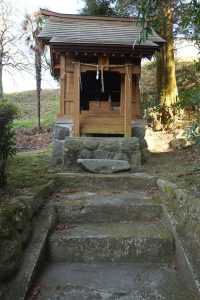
x=104 y=206
x=115 y=242
x=108 y=281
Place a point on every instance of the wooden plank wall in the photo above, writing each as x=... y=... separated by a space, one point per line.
x=67 y=85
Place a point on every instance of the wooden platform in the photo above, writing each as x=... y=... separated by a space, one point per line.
x=101 y=123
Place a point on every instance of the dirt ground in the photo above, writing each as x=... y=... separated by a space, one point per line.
x=31 y=140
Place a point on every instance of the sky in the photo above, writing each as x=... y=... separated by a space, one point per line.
x=20 y=81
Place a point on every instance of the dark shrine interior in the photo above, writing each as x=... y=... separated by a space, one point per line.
x=91 y=87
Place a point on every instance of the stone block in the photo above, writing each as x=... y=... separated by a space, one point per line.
x=167 y=188
x=143 y=143
x=58 y=147
x=110 y=145
x=103 y=166
x=121 y=156
x=60 y=132
x=90 y=144
x=85 y=154
x=99 y=154
x=114 y=242
x=136 y=160
x=138 y=131
x=129 y=145
x=145 y=155
x=73 y=145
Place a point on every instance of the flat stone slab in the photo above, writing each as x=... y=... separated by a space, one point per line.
x=104 y=166
x=116 y=242
x=108 y=281
x=85 y=206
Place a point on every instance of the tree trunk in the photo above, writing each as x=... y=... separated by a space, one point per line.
x=1 y=79
x=166 y=75
x=38 y=66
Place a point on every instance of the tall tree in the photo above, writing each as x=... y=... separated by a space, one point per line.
x=32 y=25
x=11 y=56
x=160 y=14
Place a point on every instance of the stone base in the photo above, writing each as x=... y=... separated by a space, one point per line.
x=67 y=151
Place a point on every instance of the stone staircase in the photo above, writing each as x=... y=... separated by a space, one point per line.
x=110 y=245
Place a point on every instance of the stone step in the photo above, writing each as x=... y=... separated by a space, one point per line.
x=115 y=242
x=103 y=166
x=105 y=206
x=122 y=182
x=106 y=281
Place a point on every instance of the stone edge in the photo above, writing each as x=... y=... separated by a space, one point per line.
x=187 y=269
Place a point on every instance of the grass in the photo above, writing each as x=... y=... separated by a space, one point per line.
x=26 y=171
x=176 y=167
x=27 y=104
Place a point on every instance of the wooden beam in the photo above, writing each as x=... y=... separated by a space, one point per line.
x=62 y=83
x=127 y=102
x=76 y=128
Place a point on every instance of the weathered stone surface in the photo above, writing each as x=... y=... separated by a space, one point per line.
x=33 y=256
x=143 y=143
x=121 y=156
x=145 y=155
x=10 y=246
x=10 y=256
x=106 y=206
x=85 y=154
x=73 y=144
x=99 y=154
x=138 y=131
x=116 y=242
x=129 y=145
x=71 y=149
x=136 y=160
x=109 y=145
x=58 y=147
x=108 y=281
x=103 y=166
x=119 y=182
x=60 y=132
x=90 y=144
x=167 y=188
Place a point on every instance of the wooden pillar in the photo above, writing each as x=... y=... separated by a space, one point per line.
x=62 y=83
x=128 y=101
x=76 y=129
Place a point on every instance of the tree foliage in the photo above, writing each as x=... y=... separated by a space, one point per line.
x=98 y=8
x=8 y=112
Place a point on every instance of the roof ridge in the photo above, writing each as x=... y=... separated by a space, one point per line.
x=56 y=15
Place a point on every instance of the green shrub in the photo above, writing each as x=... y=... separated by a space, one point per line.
x=190 y=102
x=8 y=112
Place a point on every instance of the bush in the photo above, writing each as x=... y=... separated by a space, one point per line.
x=8 y=112
x=190 y=103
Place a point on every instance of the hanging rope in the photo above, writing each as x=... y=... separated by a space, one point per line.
x=102 y=81
x=63 y=75
x=105 y=66
x=97 y=75
x=127 y=72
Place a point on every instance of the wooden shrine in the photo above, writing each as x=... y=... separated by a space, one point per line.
x=98 y=63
